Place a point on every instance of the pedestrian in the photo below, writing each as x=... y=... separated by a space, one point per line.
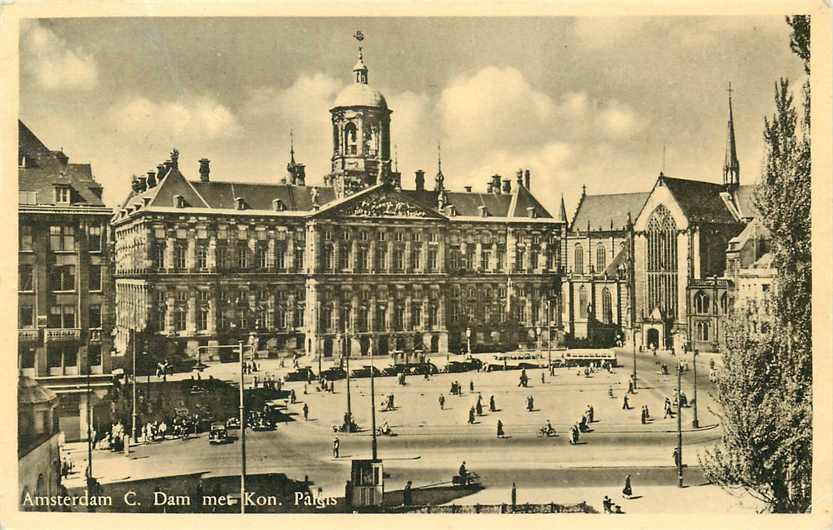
x=336 y=444
x=500 y=433
x=542 y=378
x=514 y=496
x=471 y=386
x=306 y=412
x=442 y=402
x=630 y=387
x=625 y=404
x=590 y=413
x=406 y=494
x=471 y=416
x=492 y=406
x=292 y=396
x=627 y=491
x=530 y=403
x=610 y=392
x=479 y=408
x=642 y=417
x=676 y=456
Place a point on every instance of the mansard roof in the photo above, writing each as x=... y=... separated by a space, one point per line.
x=467 y=204
x=44 y=168
x=219 y=194
x=601 y=210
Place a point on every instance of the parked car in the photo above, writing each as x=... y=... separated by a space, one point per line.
x=364 y=371
x=233 y=423
x=466 y=365
x=411 y=369
x=301 y=374
x=334 y=373
x=218 y=433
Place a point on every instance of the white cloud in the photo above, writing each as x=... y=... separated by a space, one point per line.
x=49 y=59
x=201 y=118
x=618 y=121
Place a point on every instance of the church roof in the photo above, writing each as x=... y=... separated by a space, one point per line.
x=600 y=210
x=746 y=201
x=700 y=201
x=360 y=95
x=45 y=168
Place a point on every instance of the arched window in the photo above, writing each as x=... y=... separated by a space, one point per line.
x=350 y=140
x=662 y=261
x=607 y=306
x=578 y=265
x=582 y=302
x=701 y=303
x=703 y=331
x=601 y=258
x=724 y=304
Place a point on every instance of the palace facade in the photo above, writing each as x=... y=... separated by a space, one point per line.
x=364 y=261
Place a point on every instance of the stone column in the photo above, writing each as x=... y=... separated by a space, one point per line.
x=271 y=252
x=478 y=254
x=371 y=315
x=212 y=313
x=170 y=243
x=372 y=255
x=354 y=255
x=289 y=258
x=493 y=260
x=441 y=251
x=191 y=314
x=407 y=323
x=191 y=250
x=406 y=262
x=170 y=306
x=424 y=324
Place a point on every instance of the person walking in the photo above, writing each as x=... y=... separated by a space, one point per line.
x=627 y=491
x=625 y=404
x=642 y=417
x=500 y=433
x=336 y=446
x=407 y=500
x=442 y=402
x=514 y=496
x=471 y=386
x=542 y=378
x=675 y=454
x=471 y=416
x=492 y=406
x=306 y=412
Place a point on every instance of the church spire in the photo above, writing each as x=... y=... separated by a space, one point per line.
x=731 y=166
x=360 y=70
x=440 y=180
x=562 y=214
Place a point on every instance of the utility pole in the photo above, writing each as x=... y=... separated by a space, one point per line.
x=242 y=434
x=373 y=446
x=133 y=431
x=348 y=419
x=89 y=432
x=634 y=360
x=549 y=338
x=695 y=422
x=679 y=428
x=315 y=329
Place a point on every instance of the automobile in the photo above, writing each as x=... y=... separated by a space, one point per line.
x=301 y=374
x=334 y=373
x=233 y=423
x=218 y=434
x=364 y=371
x=464 y=366
x=411 y=369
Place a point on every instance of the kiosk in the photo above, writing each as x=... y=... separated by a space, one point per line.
x=368 y=482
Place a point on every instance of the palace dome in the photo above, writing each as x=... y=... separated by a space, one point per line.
x=360 y=95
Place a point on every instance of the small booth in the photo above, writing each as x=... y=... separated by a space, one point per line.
x=368 y=482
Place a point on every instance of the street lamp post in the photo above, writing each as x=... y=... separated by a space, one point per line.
x=89 y=432
x=373 y=446
x=679 y=428
x=634 y=360
x=242 y=433
x=315 y=329
x=348 y=418
x=468 y=340
x=549 y=338
x=134 y=427
x=695 y=422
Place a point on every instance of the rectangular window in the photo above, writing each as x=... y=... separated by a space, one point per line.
x=416 y=317
x=95 y=278
x=94 y=354
x=299 y=259
x=400 y=236
x=69 y=237
x=25 y=277
x=499 y=259
x=160 y=255
x=202 y=318
x=179 y=318
x=280 y=258
x=432 y=260
x=202 y=257
x=380 y=236
x=94 y=237
x=69 y=316
x=62 y=278
x=179 y=256
x=363 y=235
x=533 y=257
x=344 y=257
x=25 y=242
x=454 y=260
x=485 y=256
x=416 y=258
x=27 y=317
x=398 y=260
x=520 y=263
x=220 y=257
x=95 y=316
x=470 y=264
x=260 y=257
x=242 y=257
x=381 y=258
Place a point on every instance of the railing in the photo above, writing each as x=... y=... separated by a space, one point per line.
x=27 y=335
x=62 y=333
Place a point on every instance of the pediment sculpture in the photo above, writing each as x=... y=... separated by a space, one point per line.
x=383 y=206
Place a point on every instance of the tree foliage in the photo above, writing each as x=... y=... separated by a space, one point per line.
x=765 y=388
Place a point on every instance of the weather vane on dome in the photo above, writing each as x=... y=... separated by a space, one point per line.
x=359 y=36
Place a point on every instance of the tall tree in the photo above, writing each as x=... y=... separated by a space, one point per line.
x=764 y=391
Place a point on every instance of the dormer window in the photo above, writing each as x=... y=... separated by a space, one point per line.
x=239 y=203
x=63 y=194
x=179 y=201
x=278 y=205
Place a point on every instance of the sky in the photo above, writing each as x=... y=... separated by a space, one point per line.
x=578 y=101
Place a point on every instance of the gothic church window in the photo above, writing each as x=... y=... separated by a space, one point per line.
x=601 y=258
x=582 y=302
x=578 y=264
x=607 y=306
x=662 y=262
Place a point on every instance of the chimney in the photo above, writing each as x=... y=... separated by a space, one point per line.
x=160 y=172
x=175 y=158
x=526 y=179
x=419 y=179
x=142 y=183
x=507 y=186
x=496 y=183
x=467 y=188
x=205 y=169
x=484 y=212
x=151 y=181
x=519 y=176
x=488 y=186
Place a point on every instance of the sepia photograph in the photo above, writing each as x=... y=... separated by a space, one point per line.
x=415 y=265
